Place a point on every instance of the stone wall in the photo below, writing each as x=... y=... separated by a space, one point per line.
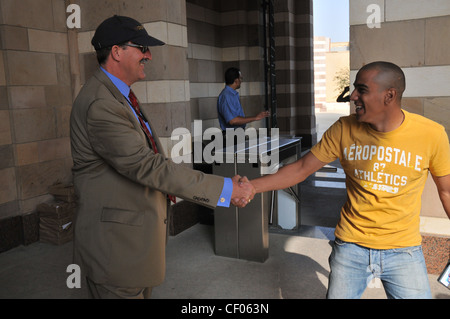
x=295 y=69
x=35 y=103
x=224 y=34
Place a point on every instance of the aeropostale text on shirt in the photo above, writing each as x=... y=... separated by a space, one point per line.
x=385 y=154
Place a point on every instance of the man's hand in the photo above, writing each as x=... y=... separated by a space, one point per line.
x=262 y=115
x=243 y=191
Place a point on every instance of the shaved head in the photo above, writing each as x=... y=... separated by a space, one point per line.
x=389 y=76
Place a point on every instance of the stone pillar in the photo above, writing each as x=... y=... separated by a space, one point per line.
x=35 y=103
x=295 y=69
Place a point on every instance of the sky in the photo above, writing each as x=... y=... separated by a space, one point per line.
x=331 y=19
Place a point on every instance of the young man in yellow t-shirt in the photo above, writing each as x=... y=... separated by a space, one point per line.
x=386 y=154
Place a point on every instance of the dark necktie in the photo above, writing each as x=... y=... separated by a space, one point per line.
x=142 y=120
x=135 y=105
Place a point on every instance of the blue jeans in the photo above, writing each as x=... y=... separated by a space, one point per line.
x=402 y=271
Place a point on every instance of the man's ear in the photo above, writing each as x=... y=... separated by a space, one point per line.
x=115 y=53
x=390 y=96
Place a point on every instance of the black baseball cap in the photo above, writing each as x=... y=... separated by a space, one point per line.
x=118 y=30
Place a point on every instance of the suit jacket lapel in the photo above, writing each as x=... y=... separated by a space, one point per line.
x=102 y=77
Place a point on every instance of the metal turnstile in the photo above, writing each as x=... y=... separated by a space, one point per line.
x=243 y=233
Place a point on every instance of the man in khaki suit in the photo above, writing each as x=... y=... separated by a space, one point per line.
x=122 y=179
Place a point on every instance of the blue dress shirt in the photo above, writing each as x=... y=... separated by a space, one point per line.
x=228 y=107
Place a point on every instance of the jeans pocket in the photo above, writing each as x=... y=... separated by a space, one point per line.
x=339 y=242
x=411 y=251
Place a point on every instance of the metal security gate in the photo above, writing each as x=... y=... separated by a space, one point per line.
x=269 y=62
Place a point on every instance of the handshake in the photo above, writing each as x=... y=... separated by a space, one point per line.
x=243 y=191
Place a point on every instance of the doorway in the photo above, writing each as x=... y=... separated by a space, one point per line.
x=331 y=61
x=324 y=192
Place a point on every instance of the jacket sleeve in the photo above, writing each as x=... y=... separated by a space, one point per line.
x=115 y=135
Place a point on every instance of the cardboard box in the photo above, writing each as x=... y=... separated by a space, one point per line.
x=56 y=209
x=56 y=222
x=62 y=192
x=55 y=231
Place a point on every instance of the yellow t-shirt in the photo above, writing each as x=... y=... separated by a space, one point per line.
x=385 y=177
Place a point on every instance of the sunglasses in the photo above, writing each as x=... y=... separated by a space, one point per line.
x=140 y=47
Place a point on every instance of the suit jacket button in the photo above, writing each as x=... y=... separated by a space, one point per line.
x=165 y=221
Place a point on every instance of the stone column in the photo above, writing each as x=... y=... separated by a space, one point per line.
x=295 y=73
x=35 y=103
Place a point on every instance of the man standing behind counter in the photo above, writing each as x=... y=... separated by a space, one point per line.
x=229 y=109
x=121 y=176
